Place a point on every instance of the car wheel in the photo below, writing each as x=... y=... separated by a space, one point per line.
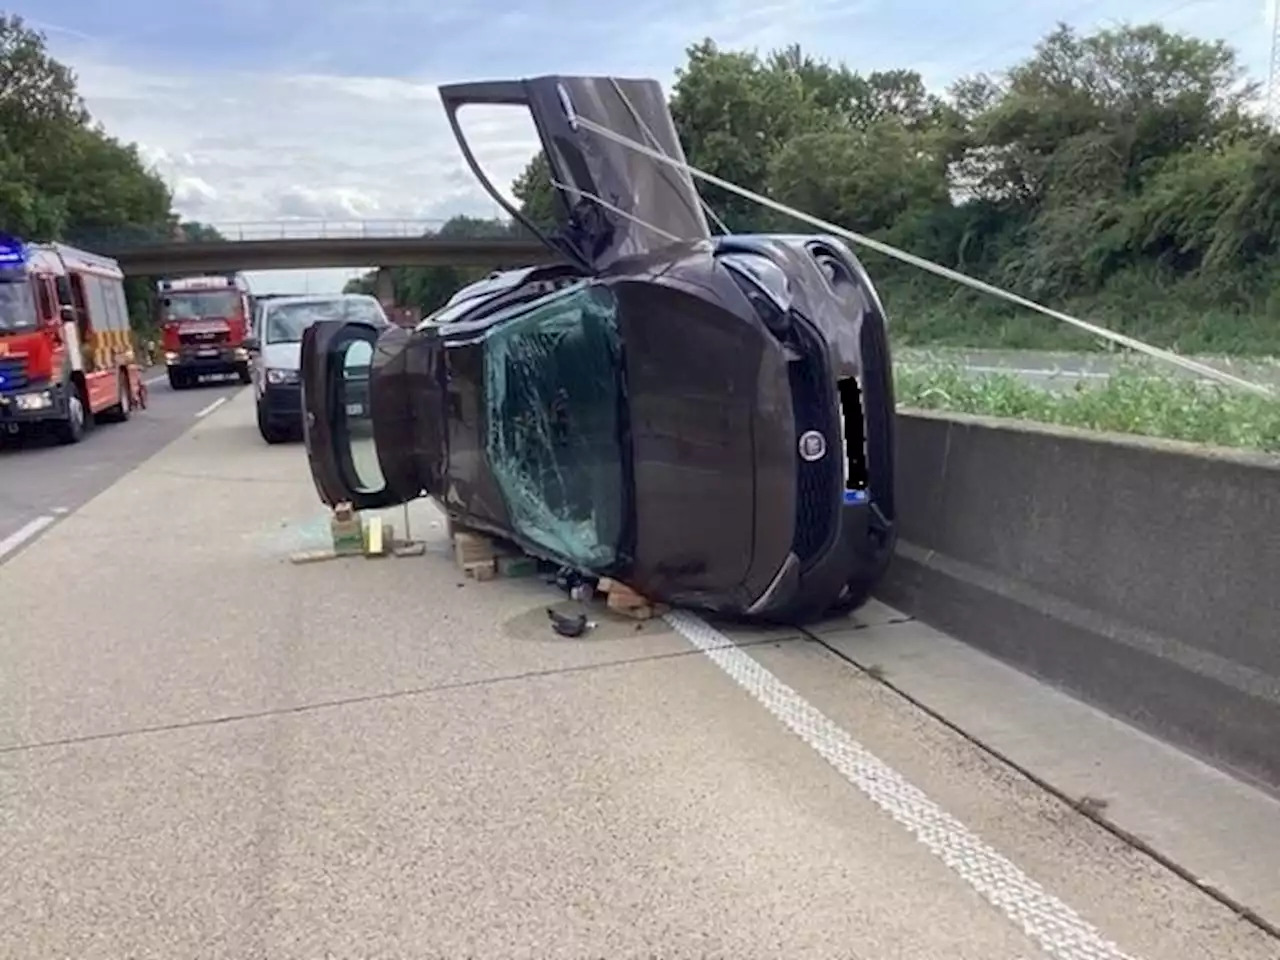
x=72 y=429
x=242 y=371
x=270 y=433
x=178 y=380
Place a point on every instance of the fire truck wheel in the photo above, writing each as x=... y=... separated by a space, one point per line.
x=71 y=430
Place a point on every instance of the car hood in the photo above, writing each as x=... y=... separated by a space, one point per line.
x=282 y=356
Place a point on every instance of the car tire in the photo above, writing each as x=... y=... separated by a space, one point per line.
x=242 y=371
x=178 y=380
x=271 y=434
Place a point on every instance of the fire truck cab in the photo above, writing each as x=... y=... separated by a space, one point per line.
x=66 y=347
x=204 y=321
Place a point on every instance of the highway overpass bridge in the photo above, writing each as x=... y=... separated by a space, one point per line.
x=307 y=245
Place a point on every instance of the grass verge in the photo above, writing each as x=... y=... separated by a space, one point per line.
x=1134 y=400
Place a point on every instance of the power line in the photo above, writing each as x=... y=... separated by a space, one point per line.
x=1168 y=356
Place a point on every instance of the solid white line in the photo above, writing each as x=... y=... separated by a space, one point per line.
x=211 y=407
x=163 y=376
x=27 y=532
x=1060 y=931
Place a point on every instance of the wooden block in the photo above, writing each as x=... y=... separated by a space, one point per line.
x=472 y=548
x=313 y=556
x=622 y=596
x=641 y=612
x=482 y=570
x=624 y=601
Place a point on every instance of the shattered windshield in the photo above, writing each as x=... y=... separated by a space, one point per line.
x=286 y=322
x=201 y=306
x=17 y=307
x=553 y=388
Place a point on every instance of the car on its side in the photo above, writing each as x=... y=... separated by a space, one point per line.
x=275 y=351
x=708 y=419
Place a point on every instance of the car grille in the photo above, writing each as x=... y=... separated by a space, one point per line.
x=817 y=482
x=203 y=333
x=209 y=339
x=13 y=373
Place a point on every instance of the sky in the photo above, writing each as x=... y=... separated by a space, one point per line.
x=256 y=111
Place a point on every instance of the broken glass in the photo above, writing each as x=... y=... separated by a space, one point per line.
x=553 y=382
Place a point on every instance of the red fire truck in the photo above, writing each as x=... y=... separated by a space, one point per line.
x=204 y=321
x=66 y=347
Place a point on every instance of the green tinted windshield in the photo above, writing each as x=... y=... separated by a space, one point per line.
x=553 y=386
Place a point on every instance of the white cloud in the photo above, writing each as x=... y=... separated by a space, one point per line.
x=267 y=147
x=192 y=195
x=302 y=142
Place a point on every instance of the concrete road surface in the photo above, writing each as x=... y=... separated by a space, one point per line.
x=41 y=480
x=1054 y=369
x=208 y=752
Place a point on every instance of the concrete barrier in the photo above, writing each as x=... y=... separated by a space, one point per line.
x=1142 y=576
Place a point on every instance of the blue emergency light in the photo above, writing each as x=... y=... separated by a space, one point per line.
x=13 y=252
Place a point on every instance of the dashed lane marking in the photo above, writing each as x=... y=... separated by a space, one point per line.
x=210 y=408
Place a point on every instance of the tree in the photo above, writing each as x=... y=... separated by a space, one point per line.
x=538 y=201
x=192 y=231
x=1111 y=171
x=62 y=176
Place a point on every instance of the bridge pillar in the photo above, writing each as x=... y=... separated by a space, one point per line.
x=384 y=288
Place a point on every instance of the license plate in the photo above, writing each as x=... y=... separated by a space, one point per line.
x=207 y=352
x=355 y=409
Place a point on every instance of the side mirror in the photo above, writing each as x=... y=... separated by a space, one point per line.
x=68 y=314
x=252 y=344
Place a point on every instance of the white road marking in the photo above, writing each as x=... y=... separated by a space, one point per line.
x=59 y=511
x=1060 y=931
x=211 y=407
x=163 y=376
x=28 y=531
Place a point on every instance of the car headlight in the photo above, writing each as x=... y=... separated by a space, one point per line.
x=280 y=377
x=33 y=401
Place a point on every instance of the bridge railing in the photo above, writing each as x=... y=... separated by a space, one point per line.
x=111 y=239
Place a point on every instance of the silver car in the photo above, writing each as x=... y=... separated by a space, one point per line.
x=276 y=347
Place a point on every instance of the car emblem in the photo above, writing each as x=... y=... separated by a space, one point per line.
x=813 y=446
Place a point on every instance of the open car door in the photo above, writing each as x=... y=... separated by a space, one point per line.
x=348 y=368
x=615 y=202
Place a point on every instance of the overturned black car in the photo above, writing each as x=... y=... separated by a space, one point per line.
x=709 y=419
